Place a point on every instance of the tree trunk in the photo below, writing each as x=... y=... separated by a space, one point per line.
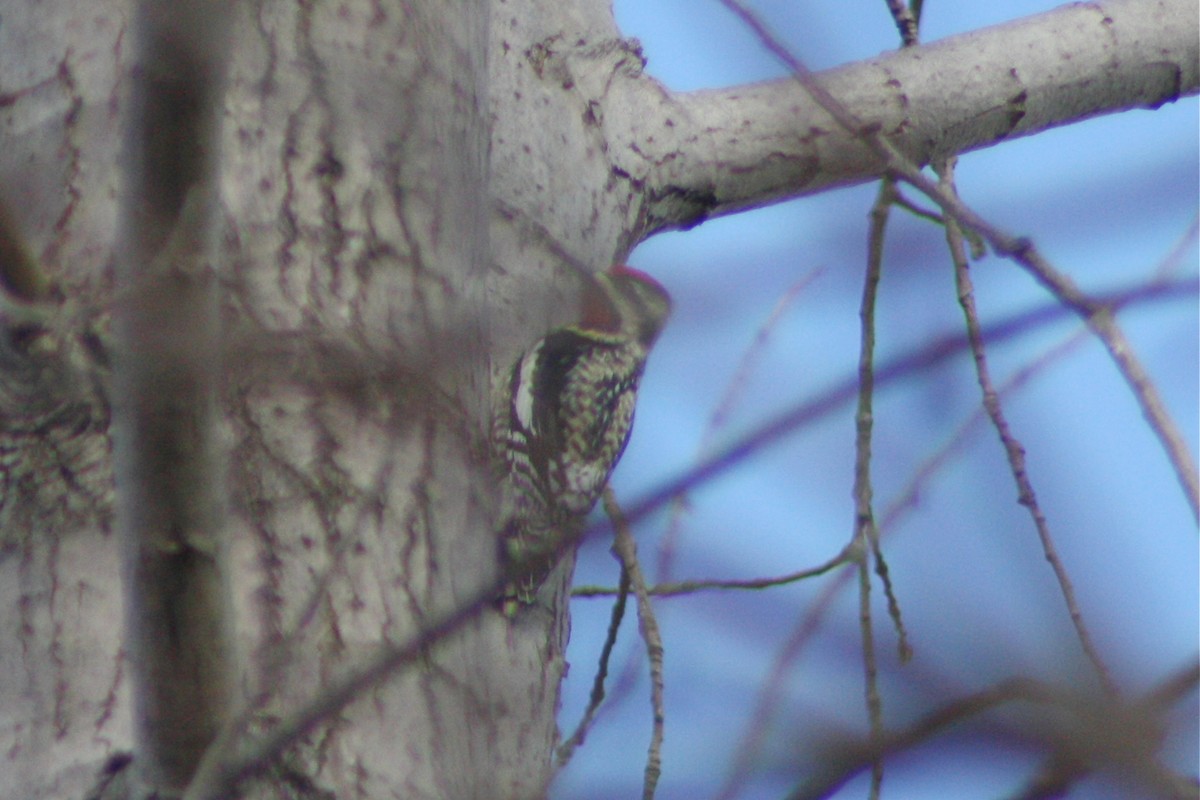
x=408 y=193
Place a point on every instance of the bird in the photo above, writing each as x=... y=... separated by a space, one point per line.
x=562 y=416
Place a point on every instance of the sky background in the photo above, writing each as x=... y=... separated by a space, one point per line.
x=1107 y=201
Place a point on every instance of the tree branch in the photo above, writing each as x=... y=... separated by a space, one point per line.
x=1092 y=732
x=626 y=550
x=1014 y=450
x=699 y=156
x=170 y=510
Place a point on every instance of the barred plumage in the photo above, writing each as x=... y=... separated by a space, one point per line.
x=564 y=412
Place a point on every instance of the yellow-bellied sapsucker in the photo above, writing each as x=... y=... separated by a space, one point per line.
x=562 y=417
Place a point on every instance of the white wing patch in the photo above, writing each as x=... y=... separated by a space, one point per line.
x=523 y=399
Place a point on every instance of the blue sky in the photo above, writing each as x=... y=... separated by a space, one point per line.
x=1107 y=201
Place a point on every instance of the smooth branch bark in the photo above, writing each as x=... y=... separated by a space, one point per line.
x=688 y=156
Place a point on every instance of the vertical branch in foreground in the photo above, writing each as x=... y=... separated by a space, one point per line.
x=626 y=550
x=865 y=533
x=170 y=506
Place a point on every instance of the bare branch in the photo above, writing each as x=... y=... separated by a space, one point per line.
x=1013 y=448
x=171 y=505
x=678 y=588
x=698 y=157
x=864 y=530
x=626 y=550
x=567 y=748
x=1093 y=733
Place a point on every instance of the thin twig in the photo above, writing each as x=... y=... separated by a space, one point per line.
x=568 y=747
x=1062 y=769
x=1012 y=447
x=837 y=770
x=678 y=588
x=1094 y=744
x=626 y=550
x=906 y=21
x=864 y=531
x=978 y=246
x=1101 y=320
x=880 y=213
x=906 y=499
x=1173 y=688
x=1180 y=254
x=871 y=695
x=888 y=194
x=909 y=205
